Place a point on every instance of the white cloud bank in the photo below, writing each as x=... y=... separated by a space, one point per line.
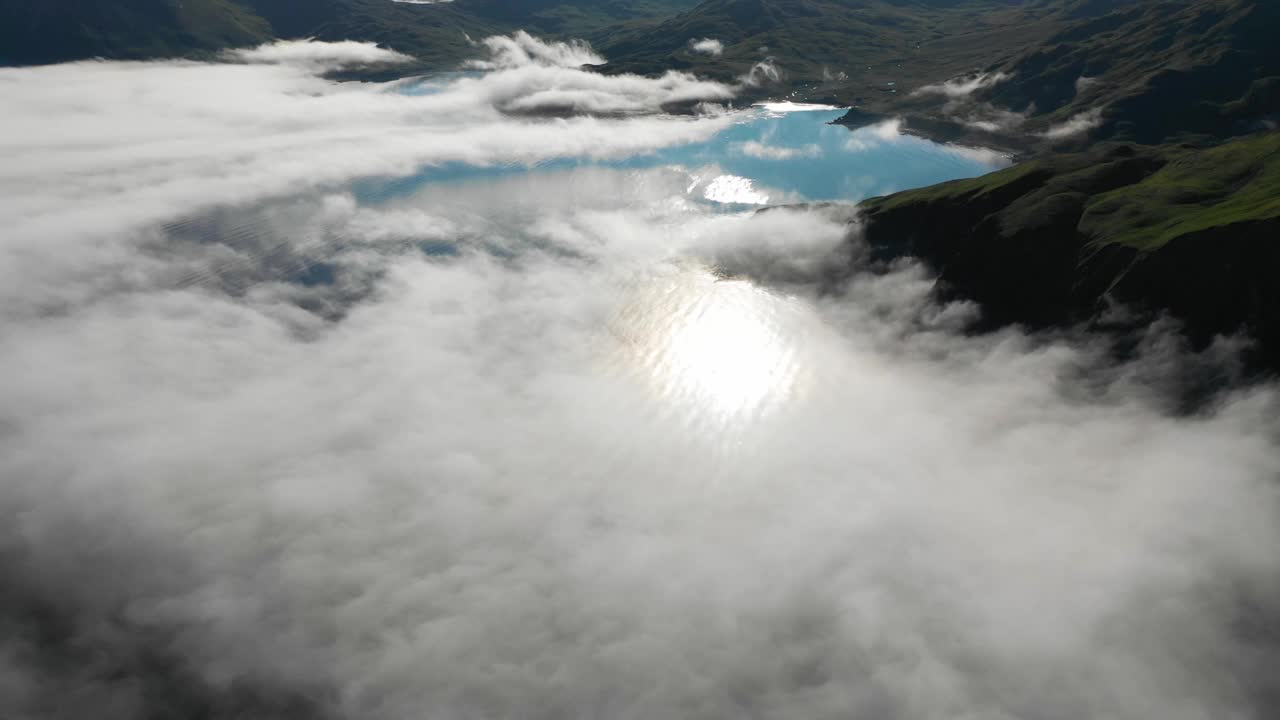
x=194 y=136
x=535 y=446
x=546 y=77
x=319 y=55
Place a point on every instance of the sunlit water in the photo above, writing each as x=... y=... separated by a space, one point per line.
x=719 y=351
x=773 y=154
x=722 y=351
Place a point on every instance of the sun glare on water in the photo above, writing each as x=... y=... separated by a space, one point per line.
x=717 y=347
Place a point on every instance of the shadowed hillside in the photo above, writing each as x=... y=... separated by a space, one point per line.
x=436 y=33
x=1191 y=232
x=1161 y=70
x=851 y=47
x=46 y=32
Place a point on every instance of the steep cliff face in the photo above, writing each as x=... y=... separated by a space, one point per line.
x=1194 y=233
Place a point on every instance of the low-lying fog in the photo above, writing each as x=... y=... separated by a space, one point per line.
x=567 y=444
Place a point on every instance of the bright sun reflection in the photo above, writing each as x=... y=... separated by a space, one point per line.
x=716 y=345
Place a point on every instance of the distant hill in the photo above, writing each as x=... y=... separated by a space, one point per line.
x=1149 y=71
x=849 y=51
x=588 y=19
x=1160 y=70
x=44 y=31
x=35 y=31
x=435 y=33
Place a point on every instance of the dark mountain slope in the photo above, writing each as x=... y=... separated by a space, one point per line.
x=45 y=32
x=1190 y=232
x=434 y=33
x=1162 y=70
x=849 y=51
x=590 y=19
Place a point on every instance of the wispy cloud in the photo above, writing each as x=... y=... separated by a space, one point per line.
x=319 y=55
x=962 y=87
x=762 y=73
x=707 y=46
x=194 y=136
x=1076 y=125
x=522 y=50
x=988 y=118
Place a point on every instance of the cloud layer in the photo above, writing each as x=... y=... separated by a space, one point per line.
x=962 y=87
x=707 y=46
x=522 y=49
x=319 y=55
x=564 y=444
x=1076 y=125
x=196 y=136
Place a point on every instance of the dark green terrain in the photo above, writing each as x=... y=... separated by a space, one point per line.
x=1055 y=241
x=1181 y=217
x=846 y=49
x=1173 y=69
x=34 y=32
x=1155 y=70
x=45 y=31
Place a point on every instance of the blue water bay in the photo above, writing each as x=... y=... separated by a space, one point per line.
x=773 y=153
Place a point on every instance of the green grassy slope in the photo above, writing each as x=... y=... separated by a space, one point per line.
x=1194 y=232
x=1234 y=184
x=1139 y=196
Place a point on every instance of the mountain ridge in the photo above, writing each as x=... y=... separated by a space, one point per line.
x=435 y=33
